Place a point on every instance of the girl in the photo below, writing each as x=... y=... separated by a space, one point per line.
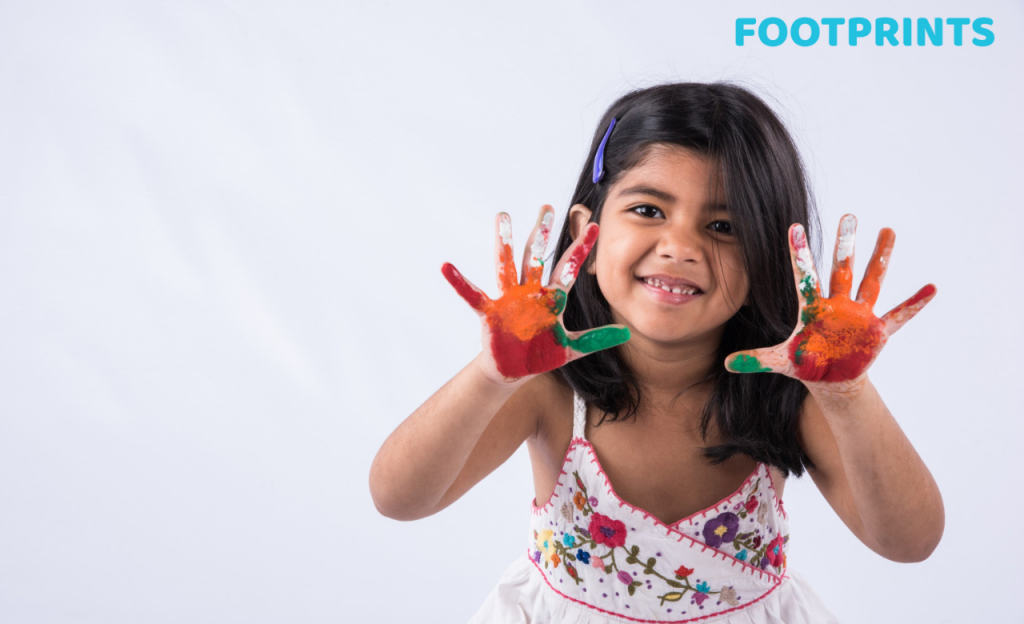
x=705 y=385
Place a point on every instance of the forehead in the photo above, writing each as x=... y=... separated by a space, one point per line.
x=674 y=170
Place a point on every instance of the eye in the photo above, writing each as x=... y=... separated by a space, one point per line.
x=721 y=227
x=648 y=209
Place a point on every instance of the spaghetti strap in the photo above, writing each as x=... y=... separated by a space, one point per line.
x=579 y=416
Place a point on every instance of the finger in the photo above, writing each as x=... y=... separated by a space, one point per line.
x=564 y=274
x=769 y=360
x=842 y=261
x=898 y=316
x=591 y=340
x=877 y=266
x=475 y=297
x=533 y=256
x=504 y=261
x=803 y=266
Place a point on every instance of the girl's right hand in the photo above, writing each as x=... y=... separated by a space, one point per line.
x=522 y=330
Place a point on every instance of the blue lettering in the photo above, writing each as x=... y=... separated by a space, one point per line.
x=815 y=32
x=885 y=30
x=924 y=27
x=958 y=28
x=859 y=28
x=832 y=22
x=741 y=29
x=762 y=32
x=979 y=27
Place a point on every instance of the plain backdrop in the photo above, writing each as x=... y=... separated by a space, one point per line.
x=221 y=232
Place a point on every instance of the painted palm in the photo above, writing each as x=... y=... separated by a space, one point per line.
x=836 y=338
x=523 y=332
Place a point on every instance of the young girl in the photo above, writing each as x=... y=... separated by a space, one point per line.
x=660 y=458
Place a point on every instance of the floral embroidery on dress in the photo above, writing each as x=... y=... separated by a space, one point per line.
x=611 y=534
x=624 y=561
x=743 y=532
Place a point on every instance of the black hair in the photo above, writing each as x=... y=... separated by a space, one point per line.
x=765 y=191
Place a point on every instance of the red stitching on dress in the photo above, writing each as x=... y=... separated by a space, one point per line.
x=554 y=494
x=632 y=619
x=738 y=491
x=776 y=497
x=703 y=513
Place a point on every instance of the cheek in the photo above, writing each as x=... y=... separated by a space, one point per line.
x=733 y=275
x=607 y=282
x=612 y=264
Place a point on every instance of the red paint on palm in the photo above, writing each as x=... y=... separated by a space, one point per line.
x=839 y=344
x=522 y=324
x=516 y=358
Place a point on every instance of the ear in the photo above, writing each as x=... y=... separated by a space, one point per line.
x=579 y=217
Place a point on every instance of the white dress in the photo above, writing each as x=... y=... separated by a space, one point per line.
x=593 y=558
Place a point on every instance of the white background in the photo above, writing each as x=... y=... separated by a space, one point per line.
x=221 y=229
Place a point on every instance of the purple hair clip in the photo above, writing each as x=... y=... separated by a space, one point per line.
x=599 y=158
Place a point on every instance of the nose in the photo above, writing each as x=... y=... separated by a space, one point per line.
x=681 y=242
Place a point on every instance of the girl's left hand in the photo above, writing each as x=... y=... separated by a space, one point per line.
x=836 y=339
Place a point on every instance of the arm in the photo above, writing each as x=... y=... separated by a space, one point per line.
x=870 y=474
x=866 y=468
x=457 y=437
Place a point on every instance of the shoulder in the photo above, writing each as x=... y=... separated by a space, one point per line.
x=552 y=401
x=535 y=404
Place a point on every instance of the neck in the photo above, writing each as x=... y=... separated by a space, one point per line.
x=663 y=370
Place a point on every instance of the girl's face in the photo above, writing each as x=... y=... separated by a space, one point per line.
x=664 y=228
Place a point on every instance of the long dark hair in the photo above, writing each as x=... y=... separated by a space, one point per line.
x=765 y=191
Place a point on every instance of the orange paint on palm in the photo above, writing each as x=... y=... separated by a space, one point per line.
x=523 y=311
x=841 y=339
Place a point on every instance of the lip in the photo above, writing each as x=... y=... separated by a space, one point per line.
x=669 y=297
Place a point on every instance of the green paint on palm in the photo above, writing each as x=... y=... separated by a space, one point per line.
x=559 y=302
x=748 y=364
x=560 y=336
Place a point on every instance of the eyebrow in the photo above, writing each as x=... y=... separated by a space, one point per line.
x=647 y=190
x=662 y=195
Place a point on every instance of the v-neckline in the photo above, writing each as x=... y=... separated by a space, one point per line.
x=647 y=514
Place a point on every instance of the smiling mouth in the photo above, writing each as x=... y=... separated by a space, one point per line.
x=678 y=290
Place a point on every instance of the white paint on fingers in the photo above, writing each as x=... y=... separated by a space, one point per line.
x=847 y=232
x=505 y=229
x=540 y=241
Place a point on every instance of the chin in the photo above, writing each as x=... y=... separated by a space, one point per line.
x=664 y=331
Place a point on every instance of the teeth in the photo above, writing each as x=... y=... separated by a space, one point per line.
x=679 y=290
